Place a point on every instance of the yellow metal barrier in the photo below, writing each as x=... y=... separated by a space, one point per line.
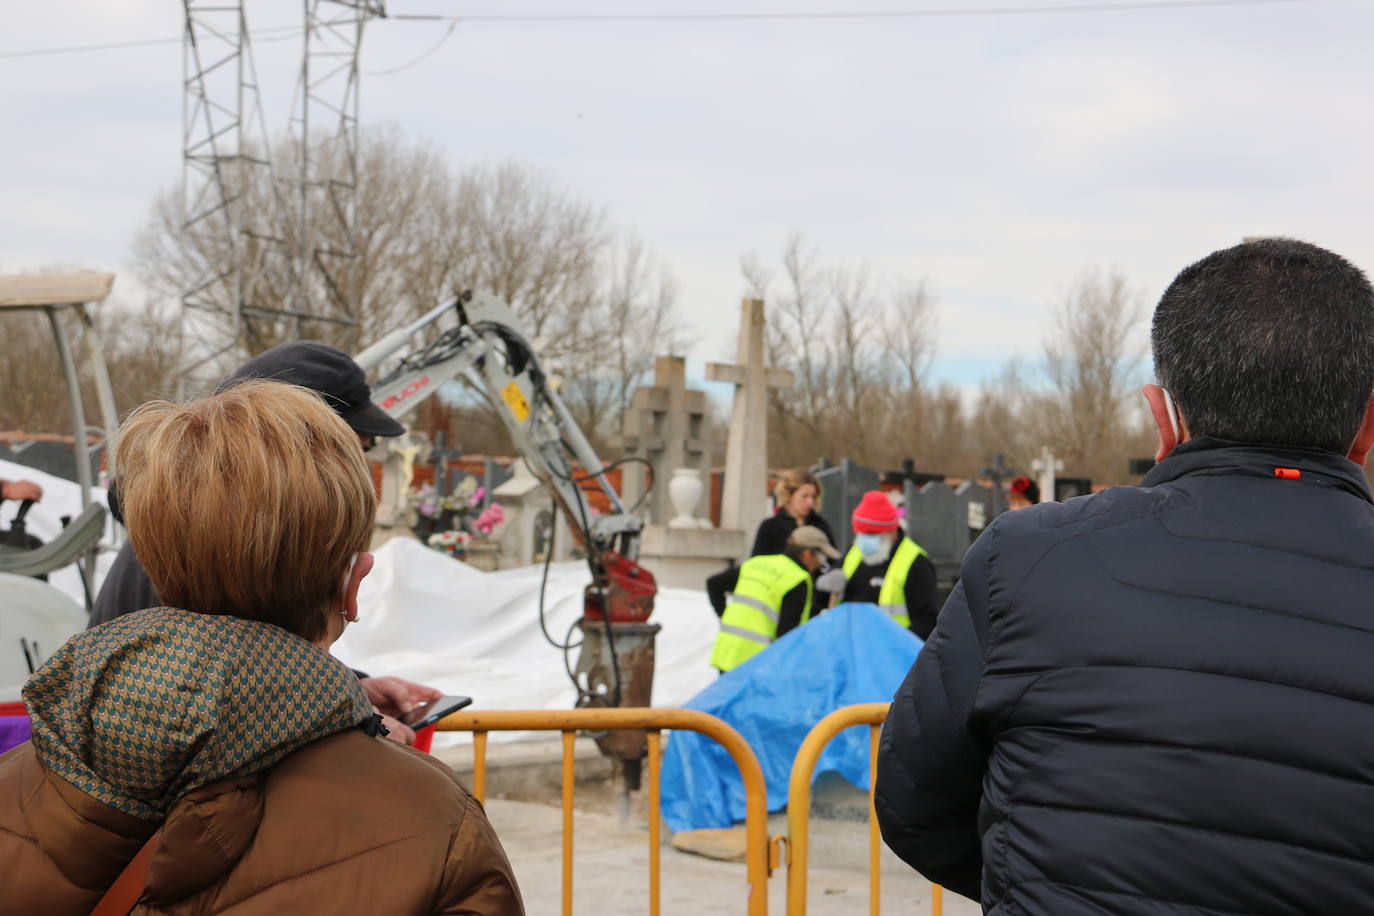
x=570 y=721
x=799 y=805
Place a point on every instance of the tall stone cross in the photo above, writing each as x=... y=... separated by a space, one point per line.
x=1046 y=468
x=744 y=499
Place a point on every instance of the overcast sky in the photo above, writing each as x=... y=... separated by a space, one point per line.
x=996 y=156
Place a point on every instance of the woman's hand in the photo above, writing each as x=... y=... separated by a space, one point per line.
x=20 y=489
x=396 y=731
x=395 y=696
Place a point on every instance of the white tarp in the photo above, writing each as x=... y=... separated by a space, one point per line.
x=439 y=621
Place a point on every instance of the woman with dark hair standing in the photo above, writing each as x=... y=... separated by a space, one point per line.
x=798 y=493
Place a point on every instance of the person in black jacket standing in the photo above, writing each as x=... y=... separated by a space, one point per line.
x=798 y=493
x=1159 y=699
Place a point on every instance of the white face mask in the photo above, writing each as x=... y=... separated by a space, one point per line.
x=873 y=547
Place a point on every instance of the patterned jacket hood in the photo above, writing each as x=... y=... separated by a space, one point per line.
x=144 y=709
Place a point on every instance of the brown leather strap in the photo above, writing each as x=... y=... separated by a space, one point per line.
x=128 y=887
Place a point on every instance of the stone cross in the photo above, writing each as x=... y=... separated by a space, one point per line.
x=743 y=503
x=1046 y=467
x=998 y=472
x=665 y=425
x=439 y=457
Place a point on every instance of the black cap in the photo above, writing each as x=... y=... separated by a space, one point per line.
x=325 y=369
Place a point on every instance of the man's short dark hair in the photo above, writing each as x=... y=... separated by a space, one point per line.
x=1269 y=342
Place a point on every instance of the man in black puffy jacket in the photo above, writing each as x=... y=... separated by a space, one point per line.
x=1160 y=699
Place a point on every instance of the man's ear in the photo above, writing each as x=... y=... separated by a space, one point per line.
x=361 y=567
x=1364 y=439
x=1159 y=409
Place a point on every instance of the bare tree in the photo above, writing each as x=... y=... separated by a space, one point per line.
x=597 y=301
x=140 y=350
x=35 y=399
x=794 y=342
x=858 y=350
x=636 y=300
x=1080 y=398
x=1092 y=363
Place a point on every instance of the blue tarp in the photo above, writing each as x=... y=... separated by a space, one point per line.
x=852 y=654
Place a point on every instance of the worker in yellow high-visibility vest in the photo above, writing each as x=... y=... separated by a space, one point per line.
x=766 y=596
x=889 y=569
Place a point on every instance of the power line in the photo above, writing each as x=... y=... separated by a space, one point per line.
x=407 y=65
x=282 y=33
x=272 y=33
x=1136 y=5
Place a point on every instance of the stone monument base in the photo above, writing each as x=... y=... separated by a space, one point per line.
x=684 y=557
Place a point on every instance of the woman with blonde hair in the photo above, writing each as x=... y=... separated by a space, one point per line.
x=219 y=725
x=798 y=495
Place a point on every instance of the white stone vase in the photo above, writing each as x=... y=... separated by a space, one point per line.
x=684 y=490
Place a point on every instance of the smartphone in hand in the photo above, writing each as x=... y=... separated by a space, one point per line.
x=430 y=713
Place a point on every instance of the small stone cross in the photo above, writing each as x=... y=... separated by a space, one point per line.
x=439 y=457
x=1046 y=468
x=998 y=472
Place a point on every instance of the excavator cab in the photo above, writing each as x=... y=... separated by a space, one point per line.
x=35 y=617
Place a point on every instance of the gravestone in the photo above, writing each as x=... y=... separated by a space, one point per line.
x=934 y=520
x=973 y=499
x=842 y=487
x=945 y=521
x=523 y=537
x=665 y=425
x=744 y=502
x=1066 y=488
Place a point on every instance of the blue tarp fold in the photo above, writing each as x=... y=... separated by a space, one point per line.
x=852 y=654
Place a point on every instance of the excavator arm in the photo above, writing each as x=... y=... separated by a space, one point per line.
x=481 y=341
x=485 y=346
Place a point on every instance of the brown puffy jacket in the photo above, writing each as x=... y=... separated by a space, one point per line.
x=317 y=833
x=243 y=742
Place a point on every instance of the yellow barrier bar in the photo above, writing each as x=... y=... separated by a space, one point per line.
x=569 y=780
x=655 y=764
x=649 y=718
x=874 y=849
x=799 y=804
x=479 y=766
x=799 y=791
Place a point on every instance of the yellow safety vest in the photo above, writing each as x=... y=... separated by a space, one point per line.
x=892 y=596
x=750 y=621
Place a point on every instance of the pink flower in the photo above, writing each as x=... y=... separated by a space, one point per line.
x=492 y=516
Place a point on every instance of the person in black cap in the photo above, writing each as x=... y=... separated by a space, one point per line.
x=343 y=385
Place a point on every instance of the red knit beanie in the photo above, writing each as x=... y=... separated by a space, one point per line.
x=874 y=514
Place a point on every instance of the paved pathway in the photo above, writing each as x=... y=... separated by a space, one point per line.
x=610 y=876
